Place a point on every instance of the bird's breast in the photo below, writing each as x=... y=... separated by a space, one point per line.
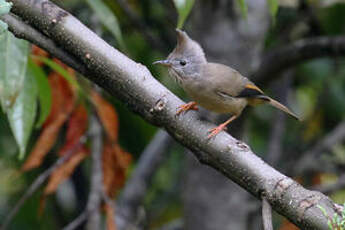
x=206 y=97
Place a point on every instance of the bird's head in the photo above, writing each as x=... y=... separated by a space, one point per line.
x=186 y=60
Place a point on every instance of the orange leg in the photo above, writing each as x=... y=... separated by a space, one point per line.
x=213 y=132
x=189 y=106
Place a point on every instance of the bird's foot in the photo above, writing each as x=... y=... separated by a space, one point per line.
x=189 y=106
x=213 y=132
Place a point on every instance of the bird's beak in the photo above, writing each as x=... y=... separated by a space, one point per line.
x=163 y=62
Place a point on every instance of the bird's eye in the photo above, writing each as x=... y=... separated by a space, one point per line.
x=183 y=62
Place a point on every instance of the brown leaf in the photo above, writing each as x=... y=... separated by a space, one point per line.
x=37 y=51
x=107 y=115
x=63 y=98
x=76 y=128
x=115 y=163
x=65 y=170
x=109 y=210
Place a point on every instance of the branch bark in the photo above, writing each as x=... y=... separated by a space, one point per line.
x=297 y=52
x=96 y=185
x=266 y=214
x=21 y=30
x=311 y=160
x=132 y=83
x=136 y=188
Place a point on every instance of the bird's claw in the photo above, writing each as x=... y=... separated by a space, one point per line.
x=189 y=106
x=213 y=132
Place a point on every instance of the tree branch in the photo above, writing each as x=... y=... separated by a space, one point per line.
x=132 y=83
x=311 y=159
x=137 y=186
x=96 y=185
x=266 y=214
x=21 y=30
x=297 y=52
x=38 y=182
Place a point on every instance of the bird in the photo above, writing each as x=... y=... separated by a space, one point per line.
x=216 y=87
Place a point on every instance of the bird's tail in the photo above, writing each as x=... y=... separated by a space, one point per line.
x=283 y=108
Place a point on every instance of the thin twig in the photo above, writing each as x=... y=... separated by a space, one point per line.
x=266 y=214
x=96 y=185
x=39 y=181
x=77 y=221
x=297 y=52
x=24 y=31
x=311 y=158
x=136 y=188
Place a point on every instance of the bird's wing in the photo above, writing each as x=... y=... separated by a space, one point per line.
x=227 y=81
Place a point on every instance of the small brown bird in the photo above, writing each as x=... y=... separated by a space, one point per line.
x=214 y=86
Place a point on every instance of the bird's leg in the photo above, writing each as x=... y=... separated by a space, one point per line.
x=189 y=106
x=213 y=132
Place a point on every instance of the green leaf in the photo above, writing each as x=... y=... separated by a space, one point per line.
x=183 y=9
x=22 y=114
x=59 y=69
x=108 y=19
x=273 y=7
x=3 y=27
x=13 y=61
x=5 y=7
x=44 y=92
x=243 y=7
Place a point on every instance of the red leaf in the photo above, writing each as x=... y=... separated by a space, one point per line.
x=65 y=170
x=37 y=51
x=63 y=99
x=115 y=163
x=76 y=128
x=107 y=115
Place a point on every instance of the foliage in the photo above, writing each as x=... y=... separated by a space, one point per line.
x=4 y=9
x=337 y=222
x=183 y=8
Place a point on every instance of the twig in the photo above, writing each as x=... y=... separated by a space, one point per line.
x=133 y=84
x=311 y=158
x=137 y=186
x=96 y=185
x=77 y=221
x=38 y=182
x=21 y=30
x=266 y=214
x=302 y=50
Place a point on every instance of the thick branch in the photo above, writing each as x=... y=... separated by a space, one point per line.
x=133 y=84
x=282 y=58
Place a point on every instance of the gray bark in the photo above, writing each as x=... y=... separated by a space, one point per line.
x=133 y=84
x=212 y=202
